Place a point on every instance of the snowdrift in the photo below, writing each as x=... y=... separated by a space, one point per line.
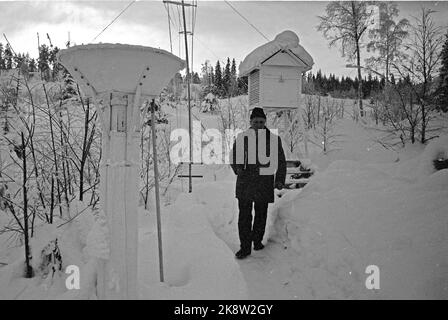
x=422 y=165
x=198 y=265
x=353 y=215
x=72 y=240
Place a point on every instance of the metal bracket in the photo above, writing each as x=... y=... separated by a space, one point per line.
x=138 y=92
x=99 y=103
x=85 y=82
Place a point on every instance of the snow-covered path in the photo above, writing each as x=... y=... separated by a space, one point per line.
x=274 y=273
x=360 y=211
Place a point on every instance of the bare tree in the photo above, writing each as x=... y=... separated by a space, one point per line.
x=387 y=39
x=325 y=130
x=17 y=199
x=29 y=269
x=345 y=23
x=404 y=116
x=309 y=116
x=423 y=51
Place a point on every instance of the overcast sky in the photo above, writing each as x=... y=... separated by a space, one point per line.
x=219 y=31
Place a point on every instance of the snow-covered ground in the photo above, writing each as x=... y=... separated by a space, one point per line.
x=366 y=206
x=363 y=209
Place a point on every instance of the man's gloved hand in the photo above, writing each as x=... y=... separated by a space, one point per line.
x=279 y=185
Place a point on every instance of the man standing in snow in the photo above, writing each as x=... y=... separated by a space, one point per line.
x=259 y=162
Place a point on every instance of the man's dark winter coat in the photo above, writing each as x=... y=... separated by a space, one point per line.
x=250 y=185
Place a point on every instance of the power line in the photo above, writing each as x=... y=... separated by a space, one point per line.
x=169 y=26
x=178 y=24
x=245 y=19
x=122 y=11
x=205 y=46
x=179 y=29
x=193 y=24
x=173 y=21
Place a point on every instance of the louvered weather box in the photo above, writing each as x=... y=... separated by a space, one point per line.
x=274 y=72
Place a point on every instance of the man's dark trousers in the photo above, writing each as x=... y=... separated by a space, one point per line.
x=248 y=233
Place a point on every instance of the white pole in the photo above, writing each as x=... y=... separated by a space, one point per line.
x=156 y=179
x=119 y=173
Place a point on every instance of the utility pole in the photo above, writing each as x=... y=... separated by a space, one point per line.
x=190 y=33
x=190 y=184
x=183 y=4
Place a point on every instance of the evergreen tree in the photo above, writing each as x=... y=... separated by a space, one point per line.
x=32 y=65
x=196 y=79
x=52 y=61
x=43 y=62
x=226 y=78
x=325 y=87
x=392 y=78
x=21 y=63
x=218 y=80
x=18 y=60
x=442 y=90
x=382 y=82
x=8 y=57
x=233 y=79
x=212 y=78
x=242 y=85
x=2 y=61
x=70 y=89
x=319 y=81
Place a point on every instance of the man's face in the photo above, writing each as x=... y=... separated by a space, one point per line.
x=257 y=123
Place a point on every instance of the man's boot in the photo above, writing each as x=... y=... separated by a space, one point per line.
x=241 y=254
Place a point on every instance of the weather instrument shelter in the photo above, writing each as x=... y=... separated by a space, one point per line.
x=274 y=71
x=118 y=77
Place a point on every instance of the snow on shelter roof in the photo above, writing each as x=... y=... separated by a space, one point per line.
x=287 y=41
x=106 y=67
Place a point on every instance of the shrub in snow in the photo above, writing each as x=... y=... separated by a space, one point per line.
x=47 y=258
x=50 y=259
x=439 y=152
x=436 y=150
x=424 y=164
x=440 y=164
